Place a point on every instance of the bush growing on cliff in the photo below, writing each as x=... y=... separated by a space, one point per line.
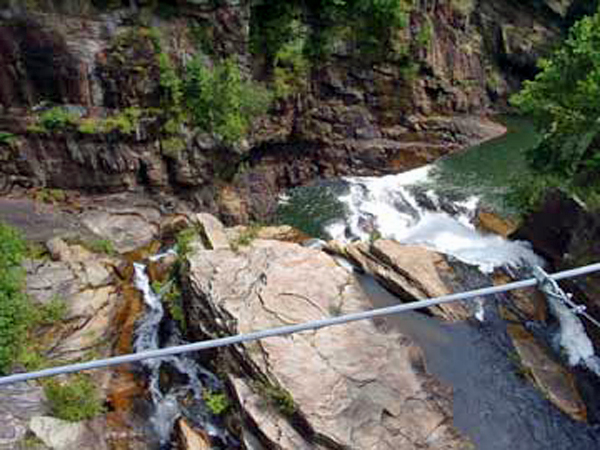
x=221 y=101
x=564 y=100
x=57 y=118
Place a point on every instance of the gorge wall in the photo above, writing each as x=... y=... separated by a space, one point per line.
x=353 y=113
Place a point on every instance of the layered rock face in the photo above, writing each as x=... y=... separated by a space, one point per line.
x=354 y=117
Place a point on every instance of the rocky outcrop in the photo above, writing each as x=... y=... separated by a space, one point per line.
x=410 y=272
x=83 y=282
x=350 y=386
x=58 y=434
x=414 y=273
x=18 y=404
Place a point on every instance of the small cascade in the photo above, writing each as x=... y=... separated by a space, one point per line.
x=572 y=338
x=152 y=333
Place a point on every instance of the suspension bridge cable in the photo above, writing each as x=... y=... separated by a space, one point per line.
x=291 y=329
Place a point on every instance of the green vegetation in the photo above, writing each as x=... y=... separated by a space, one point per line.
x=57 y=118
x=17 y=315
x=75 y=400
x=562 y=99
x=184 y=241
x=220 y=101
x=369 y=24
x=7 y=138
x=246 y=236
x=31 y=441
x=50 y=196
x=13 y=302
x=103 y=246
x=291 y=68
x=171 y=297
x=465 y=7
x=125 y=122
x=278 y=397
x=50 y=313
x=216 y=100
x=216 y=402
x=32 y=358
x=425 y=34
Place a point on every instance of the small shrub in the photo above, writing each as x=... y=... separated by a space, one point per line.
x=246 y=237
x=335 y=310
x=52 y=312
x=35 y=250
x=103 y=246
x=50 y=196
x=75 y=400
x=7 y=138
x=464 y=7
x=216 y=402
x=57 y=118
x=220 y=101
x=291 y=69
x=425 y=34
x=32 y=358
x=90 y=126
x=184 y=241
x=172 y=146
x=281 y=399
x=526 y=195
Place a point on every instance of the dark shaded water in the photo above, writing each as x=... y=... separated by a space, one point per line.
x=493 y=405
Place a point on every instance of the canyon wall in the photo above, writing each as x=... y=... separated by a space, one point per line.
x=354 y=113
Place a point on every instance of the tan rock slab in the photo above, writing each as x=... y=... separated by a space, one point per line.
x=556 y=382
x=213 y=230
x=190 y=438
x=356 y=385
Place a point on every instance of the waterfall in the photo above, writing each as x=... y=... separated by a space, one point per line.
x=167 y=400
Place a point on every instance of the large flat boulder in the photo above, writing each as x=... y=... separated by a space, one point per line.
x=353 y=386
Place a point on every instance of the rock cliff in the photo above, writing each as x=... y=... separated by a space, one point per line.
x=353 y=114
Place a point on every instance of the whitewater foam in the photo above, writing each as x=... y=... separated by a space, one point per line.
x=388 y=207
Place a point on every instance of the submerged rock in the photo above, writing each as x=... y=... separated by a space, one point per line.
x=350 y=386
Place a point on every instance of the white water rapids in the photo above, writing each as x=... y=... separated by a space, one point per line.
x=389 y=206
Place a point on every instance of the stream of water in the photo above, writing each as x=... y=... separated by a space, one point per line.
x=182 y=394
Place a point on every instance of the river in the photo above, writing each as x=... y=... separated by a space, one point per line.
x=435 y=206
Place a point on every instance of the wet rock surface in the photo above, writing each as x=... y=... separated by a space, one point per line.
x=352 y=385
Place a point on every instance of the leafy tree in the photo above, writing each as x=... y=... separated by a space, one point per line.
x=564 y=100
